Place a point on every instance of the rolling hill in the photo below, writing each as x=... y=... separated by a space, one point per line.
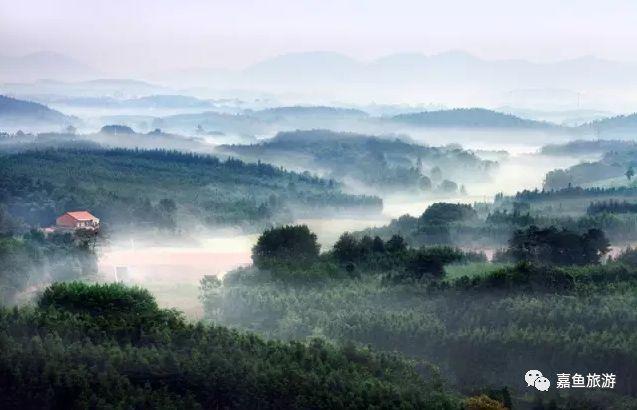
x=28 y=115
x=470 y=117
x=621 y=126
x=375 y=163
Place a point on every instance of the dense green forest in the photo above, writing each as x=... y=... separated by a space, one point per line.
x=108 y=346
x=483 y=324
x=305 y=205
x=394 y=164
x=165 y=189
x=446 y=309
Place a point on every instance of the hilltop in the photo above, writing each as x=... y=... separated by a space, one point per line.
x=470 y=117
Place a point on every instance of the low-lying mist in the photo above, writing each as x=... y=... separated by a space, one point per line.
x=172 y=267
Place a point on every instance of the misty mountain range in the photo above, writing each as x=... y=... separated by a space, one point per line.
x=44 y=65
x=451 y=76
x=52 y=90
x=454 y=68
x=441 y=68
x=272 y=120
x=16 y=113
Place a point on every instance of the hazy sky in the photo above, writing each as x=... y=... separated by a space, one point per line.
x=155 y=35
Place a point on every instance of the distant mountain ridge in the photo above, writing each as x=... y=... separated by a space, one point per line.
x=449 y=66
x=42 y=65
x=168 y=101
x=470 y=117
x=101 y=87
x=204 y=112
x=20 y=113
x=453 y=78
x=270 y=121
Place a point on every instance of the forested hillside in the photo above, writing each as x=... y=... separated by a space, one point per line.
x=471 y=117
x=163 y=189
x=15 y=113
x=620 y=126
x=483 y=323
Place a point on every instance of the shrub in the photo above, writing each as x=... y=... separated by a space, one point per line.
x=483 y=402
x=442 y=213
x=431 y=261
x=98 y=300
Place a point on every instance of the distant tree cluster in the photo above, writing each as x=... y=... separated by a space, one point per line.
x=520 y=278
x=117 y=129
x=558 y=246
x=349 y=248
x=612 y=207
x=574 y=192
x=512 y=218
x=288 y=250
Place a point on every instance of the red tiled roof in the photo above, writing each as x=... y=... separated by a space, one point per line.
x=81 y=215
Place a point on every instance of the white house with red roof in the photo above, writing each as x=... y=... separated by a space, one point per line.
x=77 y=220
